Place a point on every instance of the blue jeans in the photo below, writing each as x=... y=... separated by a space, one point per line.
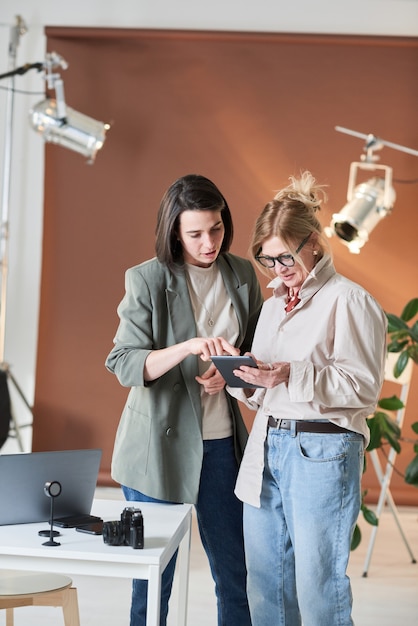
x=298 y=543
x=219 y=517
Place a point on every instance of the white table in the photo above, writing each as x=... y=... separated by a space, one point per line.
x=166 y=528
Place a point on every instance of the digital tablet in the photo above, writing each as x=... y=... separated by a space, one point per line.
x=227 y=364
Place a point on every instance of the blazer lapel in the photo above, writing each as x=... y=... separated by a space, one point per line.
x=238 y=293
x=184 y=327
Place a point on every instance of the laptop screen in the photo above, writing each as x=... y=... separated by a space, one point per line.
x=23 y=477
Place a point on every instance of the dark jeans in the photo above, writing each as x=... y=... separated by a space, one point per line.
x=219 y=516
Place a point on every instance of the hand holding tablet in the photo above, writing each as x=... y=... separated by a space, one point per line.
x=226 y=364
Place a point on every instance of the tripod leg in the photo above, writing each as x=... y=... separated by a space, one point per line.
x=16 y=429
x=18 y=389
x=14 y=423
x=385 y=497
x=398 y=523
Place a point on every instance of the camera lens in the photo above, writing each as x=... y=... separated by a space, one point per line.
x=113 y=533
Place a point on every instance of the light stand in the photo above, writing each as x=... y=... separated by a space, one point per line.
x=58 y=124
x=15 y=33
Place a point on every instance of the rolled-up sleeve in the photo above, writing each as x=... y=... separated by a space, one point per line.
x=133 y=341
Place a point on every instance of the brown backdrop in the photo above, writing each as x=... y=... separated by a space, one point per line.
x=246 y=110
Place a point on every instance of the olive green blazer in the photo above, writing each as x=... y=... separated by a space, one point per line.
x=158 y=447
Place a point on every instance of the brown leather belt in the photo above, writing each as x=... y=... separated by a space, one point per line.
x=302 y=426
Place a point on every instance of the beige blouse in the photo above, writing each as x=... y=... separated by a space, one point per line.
x=335 y=342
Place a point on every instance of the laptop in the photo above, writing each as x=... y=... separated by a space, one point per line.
x=23 y=477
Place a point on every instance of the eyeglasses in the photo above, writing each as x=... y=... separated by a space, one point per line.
x=287 y=260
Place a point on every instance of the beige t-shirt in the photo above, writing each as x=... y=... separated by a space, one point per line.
x=215 y=316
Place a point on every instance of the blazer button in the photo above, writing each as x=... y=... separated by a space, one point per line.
x=168 y=432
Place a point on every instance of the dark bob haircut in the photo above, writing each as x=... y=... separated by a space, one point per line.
x=188 y=193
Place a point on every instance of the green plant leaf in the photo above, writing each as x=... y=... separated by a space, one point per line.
x=375 y=432
x=391 y=404
x=414 y=332
x=403 y=341
x=369 y=516
x=401 y=363
x=382 y=426
x=390 y=426
x=356 y=538
x=397 y=346
x=410 y=310
x=395 y=323
x=413 y=352
x=393 y=442
x=390 y=431
x=411 y=472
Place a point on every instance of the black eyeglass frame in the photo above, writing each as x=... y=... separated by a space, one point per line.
x=270 y=261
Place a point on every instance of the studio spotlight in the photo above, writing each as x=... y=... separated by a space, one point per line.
x=75 y=131
x=56 y=122
x=367 y=202
x=62 y=125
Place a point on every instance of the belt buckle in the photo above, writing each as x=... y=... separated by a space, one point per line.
x=271 y=422
x=274 y=422
x=284 y=423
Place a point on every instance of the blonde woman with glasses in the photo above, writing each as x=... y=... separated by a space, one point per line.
x=320 y=348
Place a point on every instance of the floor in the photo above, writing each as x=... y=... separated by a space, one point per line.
x=387 y=596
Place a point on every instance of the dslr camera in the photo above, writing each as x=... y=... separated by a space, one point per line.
x=129 y=531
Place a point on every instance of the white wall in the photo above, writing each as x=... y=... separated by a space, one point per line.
x=371 y=17
x=24 y=209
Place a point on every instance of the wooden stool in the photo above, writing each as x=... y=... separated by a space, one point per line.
x=21 y=588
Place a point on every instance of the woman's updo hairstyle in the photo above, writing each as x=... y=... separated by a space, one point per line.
x=291 y=216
